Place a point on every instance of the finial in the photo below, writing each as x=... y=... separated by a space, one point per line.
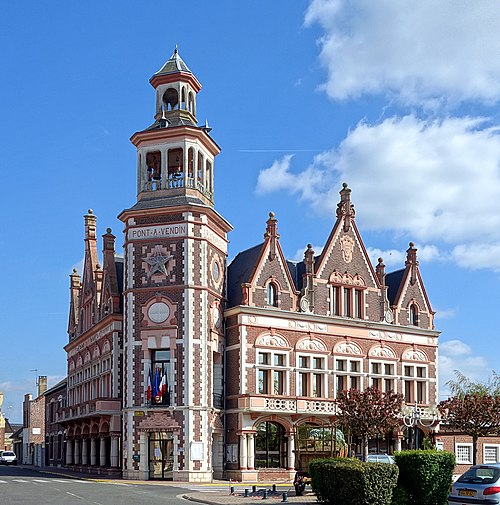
x=90 y=211
x=108 y=230
x=176 y=50
x=309 y=246
x=98 y=267
x=411 y=244
x=380 y=260
x=75 y=271
x=344 y=185
x=271 y=215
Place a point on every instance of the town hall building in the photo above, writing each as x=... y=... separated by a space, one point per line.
x=182 y=367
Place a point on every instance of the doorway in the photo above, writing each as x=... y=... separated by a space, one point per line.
x=160 y=456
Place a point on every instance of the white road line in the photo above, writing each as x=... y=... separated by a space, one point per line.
x=60 y=480
x=39 y=480
x=3 y=482
x=75 y=495
x=20 y=480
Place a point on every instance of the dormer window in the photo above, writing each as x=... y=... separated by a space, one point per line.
x=272 y=294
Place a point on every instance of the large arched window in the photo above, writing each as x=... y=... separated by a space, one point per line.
x=270 y=446
x=413 y=314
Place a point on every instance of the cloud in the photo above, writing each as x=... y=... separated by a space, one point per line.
x=429 y=180
x=299 y=253
x=421 y=52
x=457 y=355
x=443 y=314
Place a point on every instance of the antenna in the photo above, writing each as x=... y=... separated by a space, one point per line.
x=36 y=378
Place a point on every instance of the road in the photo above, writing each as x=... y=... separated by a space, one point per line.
x=23 y=486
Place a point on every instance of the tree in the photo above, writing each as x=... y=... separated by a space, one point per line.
x=368 y=413
x=474 y=408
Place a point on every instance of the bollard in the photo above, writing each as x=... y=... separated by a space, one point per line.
x=285 y=497
x=254 y=489
x=264 y=496
x=246 y=495
x=274 y=488
x=231 y=490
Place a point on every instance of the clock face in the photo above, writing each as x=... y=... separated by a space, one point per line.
x=158 y=312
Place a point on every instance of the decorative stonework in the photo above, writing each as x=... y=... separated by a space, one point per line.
x=382 y=352
x=385 y=335
x=158 y=421
x=347 y=247
x=311 y=345
x=348 y=348
x=159 y=263
x=271 y=341
x=307 y=326
x=414 y=355
x=346 y=279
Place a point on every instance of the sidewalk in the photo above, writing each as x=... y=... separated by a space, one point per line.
x=209 y=497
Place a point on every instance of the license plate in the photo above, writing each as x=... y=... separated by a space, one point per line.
x=466 y=492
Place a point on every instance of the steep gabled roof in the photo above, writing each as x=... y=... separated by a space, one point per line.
x=393 y=282
x=240 y=271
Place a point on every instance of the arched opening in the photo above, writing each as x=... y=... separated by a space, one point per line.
x=413 y=314
x=191 y=167
x=200 y=171
x=272 y=295
x=171 y=99
x=208 y=176
x=191 y=103
x=270 y=446
x=175 y=166
x=153 y=168
x=183 y=99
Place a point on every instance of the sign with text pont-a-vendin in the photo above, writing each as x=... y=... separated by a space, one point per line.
x=156 y=232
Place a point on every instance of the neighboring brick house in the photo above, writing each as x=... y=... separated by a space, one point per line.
x=209 y=382
x=34 y=426
x=55 y=439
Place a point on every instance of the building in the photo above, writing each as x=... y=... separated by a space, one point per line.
x=185 y=369
x=55 y=440
x=33 y=434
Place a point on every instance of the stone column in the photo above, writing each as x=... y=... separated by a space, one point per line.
x=114 y=452
x=93 y=451
x=69 y=452
x=102 y=452
x=77 y=451
x=399 y=441
x=243 y=451
x=85 y=452
x=251 y=451
x=291 y=451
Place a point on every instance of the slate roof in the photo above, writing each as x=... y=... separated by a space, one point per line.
x=169 y=201
x=173 y=65
x=393 y=281
x=239 y=271
x=119 y=272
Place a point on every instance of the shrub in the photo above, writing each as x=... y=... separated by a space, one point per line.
x=425 y=476
x=342 y=481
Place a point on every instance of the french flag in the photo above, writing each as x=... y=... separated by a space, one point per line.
x=149 y=386
x=156 y=386
x=163 y=384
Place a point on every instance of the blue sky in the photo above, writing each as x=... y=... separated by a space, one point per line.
x=396 y=98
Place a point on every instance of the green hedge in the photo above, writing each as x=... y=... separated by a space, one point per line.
x=424 y=476
x=342 y=481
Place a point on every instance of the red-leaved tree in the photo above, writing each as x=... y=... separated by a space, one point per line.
x=474 y=408
x=368 y=413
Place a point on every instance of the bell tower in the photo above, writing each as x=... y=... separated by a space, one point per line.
x=174 y=286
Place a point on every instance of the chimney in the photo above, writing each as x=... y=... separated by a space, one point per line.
x=42 y=384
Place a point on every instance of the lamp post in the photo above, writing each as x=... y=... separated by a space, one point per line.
x=413 y=416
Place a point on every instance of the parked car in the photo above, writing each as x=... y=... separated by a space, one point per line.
x=479 y=484
x=8 y=458
x=380 y=458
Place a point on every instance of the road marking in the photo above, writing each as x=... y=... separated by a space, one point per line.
x=60 y=480
x=39 y=480
x=20 y=480
x=75 y=495
x=3 y=482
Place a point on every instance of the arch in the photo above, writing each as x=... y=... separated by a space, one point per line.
x=104 y=427
x=311 y=344
x=171 y=99
x=272 y=290
x=94 y=429
x=79 y=361
x=71 y=365
x=192 y=103
x=191 y=163
x=271 y=340
x=414 y=355
x=96 y=352
x=183 y=98
x=347 y=347
x=208 y=176
x=106 y=347
x=381 y=351
x=200 y=174
x=87 y=357
x=175 y=162
x=413 y=313
x=271 y=447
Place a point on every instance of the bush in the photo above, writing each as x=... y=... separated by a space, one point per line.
x=425 y=476
x=342 y=481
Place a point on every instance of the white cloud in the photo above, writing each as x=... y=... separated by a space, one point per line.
x=428 y=180
x=299 y=253
x=442 y=314
x=419 y=52
x=457 y=355
x=478 y=255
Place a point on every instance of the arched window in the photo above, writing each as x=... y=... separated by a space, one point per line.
x=413 y=314
x=171 y=99
x=272 y=294
x=270 y=446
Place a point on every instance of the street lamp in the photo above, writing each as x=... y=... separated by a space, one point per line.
x=413 y=416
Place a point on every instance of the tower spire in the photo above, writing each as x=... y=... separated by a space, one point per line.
x=345 y=209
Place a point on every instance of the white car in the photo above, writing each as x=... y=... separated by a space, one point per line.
x=8 y=458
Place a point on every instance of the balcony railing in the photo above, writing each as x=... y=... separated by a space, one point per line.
x=94 y=407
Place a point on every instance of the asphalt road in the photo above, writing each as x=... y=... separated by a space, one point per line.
x=22 y=486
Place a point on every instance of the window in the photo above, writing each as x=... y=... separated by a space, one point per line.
x=463 y=453
x=272 y=295
x=347 y=374
x=413 y=310
x=347 y=302
x=491 y=453
x=311 y=377
x=335 y=300
x=358 y=303
x=415 y=383
x=272 y=373
x=382 y=375
x=158 y=385
x=270 y=446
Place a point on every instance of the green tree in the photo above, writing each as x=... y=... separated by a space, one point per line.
x=368 y=413
x=474 y=408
